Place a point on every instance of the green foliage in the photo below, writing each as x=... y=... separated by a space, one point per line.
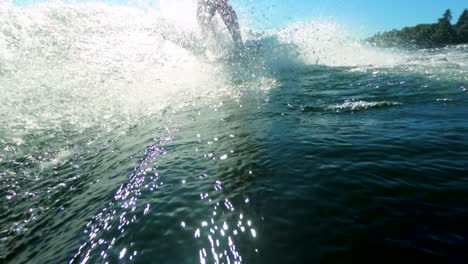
x=444 y=34
x=439 y=34
x=447 y=16
x=462 y=27
x=463 y=20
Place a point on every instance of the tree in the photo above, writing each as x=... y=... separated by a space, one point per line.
x=447 y=15
x=462 y=27
x=444 y=33
x=435 y=35
x=463 y=20
x=423 y=35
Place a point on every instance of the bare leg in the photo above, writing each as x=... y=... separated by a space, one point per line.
x=206 y=11
x=230 y=19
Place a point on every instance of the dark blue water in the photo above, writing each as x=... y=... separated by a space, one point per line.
x=301 y=181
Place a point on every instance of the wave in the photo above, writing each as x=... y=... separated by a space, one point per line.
x=349 y=105
x=101 y=65
x=92 y=64
x=74 y=77
x=329 y=44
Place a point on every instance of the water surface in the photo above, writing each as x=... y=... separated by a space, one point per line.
x=121 y=142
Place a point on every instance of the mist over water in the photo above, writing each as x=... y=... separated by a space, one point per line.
x=124 y=138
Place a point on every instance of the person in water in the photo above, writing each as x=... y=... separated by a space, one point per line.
x=206 y=11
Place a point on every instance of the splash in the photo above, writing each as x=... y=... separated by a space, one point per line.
x=327 y=43
x=350 y=105
x=92 y=64
x=95 y=65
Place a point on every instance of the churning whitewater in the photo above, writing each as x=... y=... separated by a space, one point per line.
x=125 y=138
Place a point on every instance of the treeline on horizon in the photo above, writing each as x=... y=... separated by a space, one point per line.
x=440 y=34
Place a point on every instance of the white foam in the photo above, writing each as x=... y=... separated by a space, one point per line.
x=327 y=43
x=92 y=64
x=361 y=105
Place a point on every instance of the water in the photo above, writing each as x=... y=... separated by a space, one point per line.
x=121 y=142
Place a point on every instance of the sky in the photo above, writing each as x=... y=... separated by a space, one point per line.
x=361 y=17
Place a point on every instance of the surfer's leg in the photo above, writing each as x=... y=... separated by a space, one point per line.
x=205 y=12
x=229 y=17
